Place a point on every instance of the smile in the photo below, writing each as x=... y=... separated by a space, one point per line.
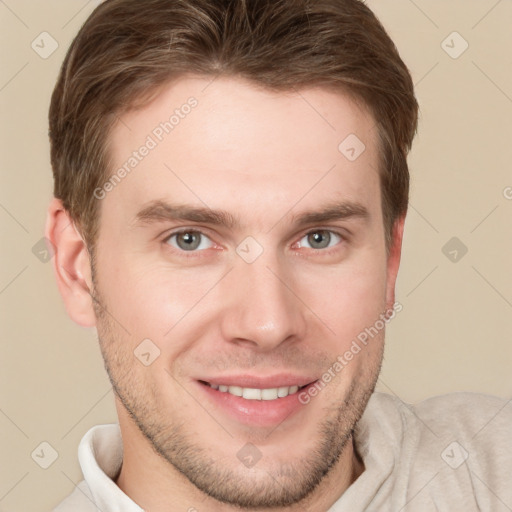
x=256 y=393
x=257 y=401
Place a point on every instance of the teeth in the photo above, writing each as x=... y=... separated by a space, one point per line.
x=251 y=394
x=281 y=392
x=257 y=394
x=269 y=394
x=236 y=390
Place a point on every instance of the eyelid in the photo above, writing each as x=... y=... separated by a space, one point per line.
x=186 y=229
x=204 y=231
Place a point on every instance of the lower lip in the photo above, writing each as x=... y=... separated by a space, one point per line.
x=264 y=413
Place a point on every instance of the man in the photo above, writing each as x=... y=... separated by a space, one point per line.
x=231 y=187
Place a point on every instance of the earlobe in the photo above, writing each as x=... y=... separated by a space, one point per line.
x=71 y=264
x=395 y=251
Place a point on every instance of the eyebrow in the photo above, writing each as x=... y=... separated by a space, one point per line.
x=160 y=211
x=334 y=211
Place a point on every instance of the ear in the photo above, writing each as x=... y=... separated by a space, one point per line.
x=71 y=263
x=395 y=252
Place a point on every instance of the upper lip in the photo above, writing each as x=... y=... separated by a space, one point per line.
x=259 y=382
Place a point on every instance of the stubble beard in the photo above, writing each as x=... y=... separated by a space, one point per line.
x=281 y=483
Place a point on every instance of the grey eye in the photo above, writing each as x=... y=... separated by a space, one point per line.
x=189 y=240
x=321 y=239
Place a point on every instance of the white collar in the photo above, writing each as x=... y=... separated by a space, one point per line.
x=101 y=454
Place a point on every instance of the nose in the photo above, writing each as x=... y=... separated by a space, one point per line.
x=264 y=309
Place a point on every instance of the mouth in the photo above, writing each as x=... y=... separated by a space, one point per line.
x=256 y=393
x=256 y=401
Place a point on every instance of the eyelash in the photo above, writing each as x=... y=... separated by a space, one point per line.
x=197 y=253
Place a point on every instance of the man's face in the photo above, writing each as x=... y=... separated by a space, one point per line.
x=259 y=298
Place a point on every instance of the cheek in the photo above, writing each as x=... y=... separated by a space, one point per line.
x=352 y=309
x=152 y=300
x=351 y=300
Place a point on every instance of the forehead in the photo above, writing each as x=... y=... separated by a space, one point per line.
x=229 y=142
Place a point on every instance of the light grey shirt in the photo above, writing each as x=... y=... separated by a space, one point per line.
x=451 y=453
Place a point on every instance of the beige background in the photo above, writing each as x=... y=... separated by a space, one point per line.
x=455 y=330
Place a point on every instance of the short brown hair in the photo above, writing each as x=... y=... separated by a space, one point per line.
x=128 y=49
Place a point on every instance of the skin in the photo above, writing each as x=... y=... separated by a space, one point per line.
x=265 y=157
